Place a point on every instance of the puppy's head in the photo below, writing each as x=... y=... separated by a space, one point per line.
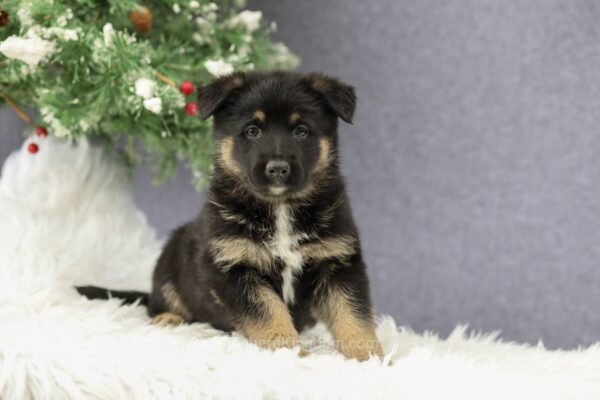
x=276 y=132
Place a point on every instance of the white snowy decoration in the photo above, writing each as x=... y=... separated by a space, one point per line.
x=24 y=17
x=249 y=19
x=61 y=33
x=145 y=88
x=31 y=49
x=57 y=128
x=109 y=33
x=218 y=67
x=153 y=104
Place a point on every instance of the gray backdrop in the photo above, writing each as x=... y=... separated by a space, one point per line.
x=473 y=163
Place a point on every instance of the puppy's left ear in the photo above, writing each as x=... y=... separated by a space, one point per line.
x=212 y=96
x=339 y=96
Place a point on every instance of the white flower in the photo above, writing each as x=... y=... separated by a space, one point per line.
x=218 y=67
x=108 y=32
x=202 y=21
x=249 y=19
x=30 y=50
x=153 y=105
x=281 y=50
x=244 y=51
x=62 y=20
x=201 y=39
x=145 y=88
x=176 y=8
x=284 y=57
x=25 y=17
x=64 y=34
x=69 y=34
x=84 y=125
x=58 y=129
x=194 y=4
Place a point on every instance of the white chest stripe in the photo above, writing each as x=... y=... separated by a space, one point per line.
x=284 y=245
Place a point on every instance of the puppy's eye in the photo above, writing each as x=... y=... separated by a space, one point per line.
x=301 y=131
x=253 y=132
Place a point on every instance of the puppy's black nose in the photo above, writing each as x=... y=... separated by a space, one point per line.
x=277 y=170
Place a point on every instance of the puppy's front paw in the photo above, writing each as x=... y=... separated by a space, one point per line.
x=168 y=318
x=303 y=352
x=282 y=340
x=275 y=339
x=360 y=349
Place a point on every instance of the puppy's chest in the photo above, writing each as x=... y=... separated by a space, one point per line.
x=284 y=245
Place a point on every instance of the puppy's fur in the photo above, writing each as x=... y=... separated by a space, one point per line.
x=271 y=252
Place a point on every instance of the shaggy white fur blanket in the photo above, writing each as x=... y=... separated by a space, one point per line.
x=67 y=217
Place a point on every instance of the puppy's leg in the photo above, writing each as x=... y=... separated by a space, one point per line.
x=166 y=306
x=343 y=303
x=261 y=314
x=274 y=327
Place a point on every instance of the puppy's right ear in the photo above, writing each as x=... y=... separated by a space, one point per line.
x=339 y=96
x=211 y=96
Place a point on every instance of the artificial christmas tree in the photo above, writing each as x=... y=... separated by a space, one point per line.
x=122 y=71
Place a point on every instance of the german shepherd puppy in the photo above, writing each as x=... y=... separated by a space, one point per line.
x=275 y=248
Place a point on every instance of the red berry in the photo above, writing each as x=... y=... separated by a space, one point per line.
x=192 y=109
x=187 y=88
x=33 y=148
x=41 y=131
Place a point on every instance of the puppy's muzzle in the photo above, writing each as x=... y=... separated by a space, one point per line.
x=278 y=172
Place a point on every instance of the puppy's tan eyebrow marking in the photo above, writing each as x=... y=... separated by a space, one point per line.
x=260 y=116
x=294 y=117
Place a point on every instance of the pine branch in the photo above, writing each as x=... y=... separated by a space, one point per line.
x=93 y=74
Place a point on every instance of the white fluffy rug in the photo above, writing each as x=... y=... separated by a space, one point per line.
x=66 y=218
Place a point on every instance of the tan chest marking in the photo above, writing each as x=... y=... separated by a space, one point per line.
x=230 y=251
x=338 y=247
x=284 y=246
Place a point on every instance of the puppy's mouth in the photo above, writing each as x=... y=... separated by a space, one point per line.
x=277 y=189
x=270 y=190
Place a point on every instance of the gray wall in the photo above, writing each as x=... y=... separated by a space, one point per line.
x=473 y=163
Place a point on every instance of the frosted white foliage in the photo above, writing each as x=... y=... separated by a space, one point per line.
x=145 y=88
x=153 y=104
x=31 y=49
x=218 y=67
x=249 y=19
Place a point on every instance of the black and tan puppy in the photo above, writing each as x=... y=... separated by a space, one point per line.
x=275 y=248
